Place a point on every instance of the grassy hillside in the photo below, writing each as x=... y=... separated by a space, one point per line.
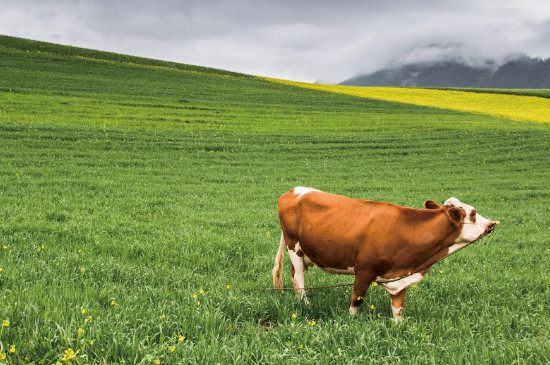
x=138 y=218
x=31 y=46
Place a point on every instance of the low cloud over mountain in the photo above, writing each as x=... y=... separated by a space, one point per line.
x=451 y=66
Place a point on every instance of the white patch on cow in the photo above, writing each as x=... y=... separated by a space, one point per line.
x=299 y=269
x=397 y=314
x=471 y=230
x=456 y=247
x=394 y=287
x=301 y=191
x=352 y=310
x=346 y=271
x=307 y=260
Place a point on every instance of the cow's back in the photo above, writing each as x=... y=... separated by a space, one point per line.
x=309 y=204
x=330 y=228
x=302 y=205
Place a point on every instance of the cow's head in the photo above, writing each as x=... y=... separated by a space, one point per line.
x=473 y=225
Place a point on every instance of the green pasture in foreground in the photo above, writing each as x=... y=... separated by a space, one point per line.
x=132 y=196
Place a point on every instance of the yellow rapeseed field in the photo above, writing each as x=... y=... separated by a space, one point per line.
x=520 y=108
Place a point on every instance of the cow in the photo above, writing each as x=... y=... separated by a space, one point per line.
x=380 y=242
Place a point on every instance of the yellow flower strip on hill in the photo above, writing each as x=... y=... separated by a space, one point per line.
x=520 y=108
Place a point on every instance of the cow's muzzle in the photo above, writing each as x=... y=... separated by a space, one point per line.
x=490 y=228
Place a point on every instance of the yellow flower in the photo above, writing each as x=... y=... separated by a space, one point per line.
x=88 y=320
x=172 y=348
x=80 y=332
x=194 y=296
x=163 y=316
x=91 y=343
x=228 y=287
x=441 y=271
x=2 y=356
x=113 y=303
x=413 y=286
x=201 y=291
x=157 y=362
x=301 y=346
x=378 y=315
x=83 y=311
x=375 y=284
x=6 y=323
x=12 y=349
x=69 y=355
x=5 y=247
x=312 y=323
x=293 y=315
x=198 y=303
x=82 y=270
x=181 y=339
x=372 y=306
x=79 y=251
x=1 y=269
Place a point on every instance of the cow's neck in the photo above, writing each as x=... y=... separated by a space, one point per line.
x=434 y=248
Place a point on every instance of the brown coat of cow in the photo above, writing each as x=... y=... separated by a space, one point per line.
x=375 y=241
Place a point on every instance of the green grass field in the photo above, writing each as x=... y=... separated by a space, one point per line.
x=138 y=218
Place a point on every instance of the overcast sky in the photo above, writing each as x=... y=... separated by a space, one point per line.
x=306 y=40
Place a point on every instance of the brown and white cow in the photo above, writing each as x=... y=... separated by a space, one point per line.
x=375 y=241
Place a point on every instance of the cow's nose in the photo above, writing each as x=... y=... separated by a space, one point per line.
x=490 y=227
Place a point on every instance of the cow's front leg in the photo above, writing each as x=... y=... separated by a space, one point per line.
x=297 y=273
x=397 y=302
x=360 y=286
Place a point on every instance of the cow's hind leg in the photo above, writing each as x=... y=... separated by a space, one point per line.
x=297 y=271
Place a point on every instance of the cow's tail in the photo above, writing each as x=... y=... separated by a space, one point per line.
x=278 y=268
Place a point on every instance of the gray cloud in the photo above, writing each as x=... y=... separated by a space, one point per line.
x=303 y=40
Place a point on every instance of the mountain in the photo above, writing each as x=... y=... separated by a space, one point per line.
x=521 y=73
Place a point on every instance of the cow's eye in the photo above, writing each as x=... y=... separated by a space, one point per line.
x=473 y=215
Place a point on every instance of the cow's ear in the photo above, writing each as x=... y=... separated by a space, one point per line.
x=456 y=214
x=431 y=204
